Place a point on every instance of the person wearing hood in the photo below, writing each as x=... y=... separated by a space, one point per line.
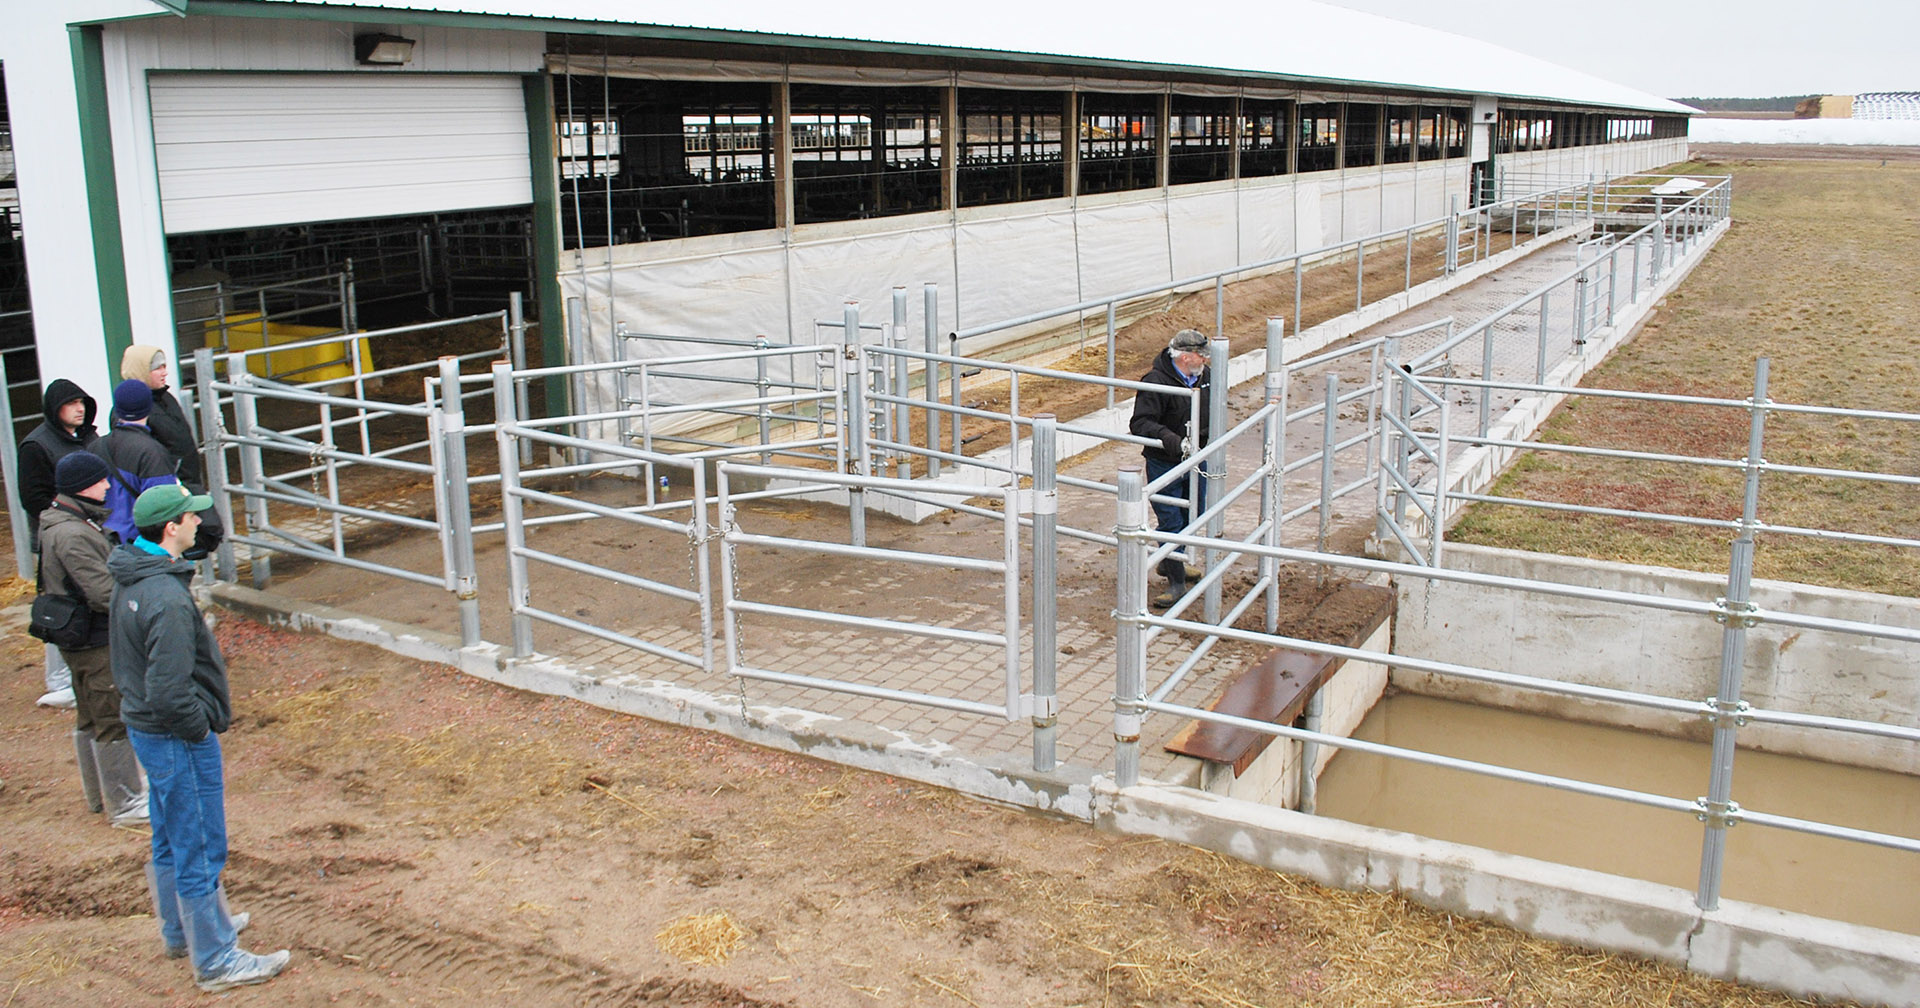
x=68 y=428
x=1163 y=417
x=168 y=420
x=73 y=563
x=175 y=703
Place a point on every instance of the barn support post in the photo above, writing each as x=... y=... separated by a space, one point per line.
x=1130 y=660
x=459 y=516
x=1045 y=605
x=505 y=417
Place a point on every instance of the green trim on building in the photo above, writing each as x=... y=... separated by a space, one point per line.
x=551 y=309
x=103 y=196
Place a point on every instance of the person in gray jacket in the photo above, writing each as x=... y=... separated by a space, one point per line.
x=174 y=700
x=73 y=563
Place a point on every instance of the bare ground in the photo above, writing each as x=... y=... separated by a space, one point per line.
x=418 y=837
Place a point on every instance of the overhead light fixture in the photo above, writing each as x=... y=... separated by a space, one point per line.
x=382 y=50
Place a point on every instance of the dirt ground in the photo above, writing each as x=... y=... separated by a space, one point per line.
x=1818 y=275
x=418 y=837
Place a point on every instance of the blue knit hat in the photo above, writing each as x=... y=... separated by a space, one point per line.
x=77 y=471
x=132 y=400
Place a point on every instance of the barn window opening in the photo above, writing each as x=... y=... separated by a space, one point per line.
x=1011 y=146
x=862 y=152
x=1398 y=147
x=645 y=160
x=1119 y=135
x=1199 y=140
x=1265 y=134
x=1319 y=136
x=1361 y=143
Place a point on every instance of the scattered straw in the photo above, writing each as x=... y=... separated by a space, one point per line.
x=702 y=939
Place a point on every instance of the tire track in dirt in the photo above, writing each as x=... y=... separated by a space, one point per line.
x=383 y=941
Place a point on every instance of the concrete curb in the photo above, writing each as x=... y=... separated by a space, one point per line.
x=1803 y=955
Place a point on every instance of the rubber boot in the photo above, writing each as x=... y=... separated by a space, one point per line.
x=166 y=910
x=89 y=770
x=177 y=948
x=219 y=963
x=122 y=784
x=1176 y=574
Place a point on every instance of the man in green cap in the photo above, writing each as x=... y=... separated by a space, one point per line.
x=174 y=702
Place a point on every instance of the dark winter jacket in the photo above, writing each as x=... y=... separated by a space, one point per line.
x=168 y=425
x=46 y=445
x=171 y=677
x=138 y=461
x=74 y=547
x=1163 y=415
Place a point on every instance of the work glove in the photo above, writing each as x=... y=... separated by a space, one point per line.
x=1172 y=444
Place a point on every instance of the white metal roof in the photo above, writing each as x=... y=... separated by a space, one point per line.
x=1294 y=38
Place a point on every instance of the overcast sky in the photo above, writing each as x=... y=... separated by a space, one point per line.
x=1697 y=48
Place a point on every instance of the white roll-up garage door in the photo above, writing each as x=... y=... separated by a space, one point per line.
x=251 y=150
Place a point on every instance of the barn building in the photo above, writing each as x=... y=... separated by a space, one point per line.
x=742 y=175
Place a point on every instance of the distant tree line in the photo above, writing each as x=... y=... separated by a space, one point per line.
x=1784 y=103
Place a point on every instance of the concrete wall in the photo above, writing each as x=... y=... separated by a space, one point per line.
x=1273 y=778
x=1668 y=654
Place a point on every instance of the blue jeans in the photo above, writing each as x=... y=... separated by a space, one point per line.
x=187 y=797
x=1172 y=517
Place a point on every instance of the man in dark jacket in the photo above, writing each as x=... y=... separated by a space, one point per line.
x=73 y=563
x=137 y=459
x=174 y=700
x=1164 y=417
x=68 y=428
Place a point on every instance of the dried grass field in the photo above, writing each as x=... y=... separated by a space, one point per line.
x=1819 y=275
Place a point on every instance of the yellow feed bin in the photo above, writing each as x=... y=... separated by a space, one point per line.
x=302 y=365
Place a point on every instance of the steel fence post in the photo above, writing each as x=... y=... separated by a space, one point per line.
x=1408 y=284
x=1046 y=511
x=252 y=471
x=1220 y=305
x=517 y=340
x=930 y=300
x=1297 y=320
x=1452 y=260
x=351 y=296
x=1718 y=810
x=1273 y=489
x=1130 y=658
x=853 y=423
x=1613 y=281
x=1113 y=337
x=459 y=517
x=763 y=387
x=213 y=453
x=1310 y=754
x=1214 y=472
x=1359 y=274
x=519 y=596
x=1328 y=437
x=1486 y=374
x=902 y=422
x=1540 y=358
x=953 y=379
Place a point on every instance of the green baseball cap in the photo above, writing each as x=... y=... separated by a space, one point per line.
x=167 y=502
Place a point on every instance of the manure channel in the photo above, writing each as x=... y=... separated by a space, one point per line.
x=1847 y=881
